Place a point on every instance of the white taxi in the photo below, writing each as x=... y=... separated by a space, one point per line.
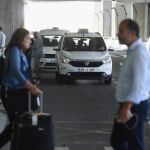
x=83 y=55
x=51 y=38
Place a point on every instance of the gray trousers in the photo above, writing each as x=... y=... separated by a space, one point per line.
x=35 y=66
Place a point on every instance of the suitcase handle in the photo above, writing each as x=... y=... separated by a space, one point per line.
x=39 y=99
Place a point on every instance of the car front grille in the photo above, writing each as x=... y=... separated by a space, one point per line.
x=86 y=63
x=49 y=56
x=50 y=64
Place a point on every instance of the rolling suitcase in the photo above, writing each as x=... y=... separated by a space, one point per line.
x=33 y=131
x=2 y=61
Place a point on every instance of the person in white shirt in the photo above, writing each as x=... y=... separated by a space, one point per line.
x=37 y=50
x=2 y=39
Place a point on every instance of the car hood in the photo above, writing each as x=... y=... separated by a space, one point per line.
x=84 y=55
x=48 y=50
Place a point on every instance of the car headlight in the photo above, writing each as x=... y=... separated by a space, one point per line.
x=107 y=59
x=64 y=60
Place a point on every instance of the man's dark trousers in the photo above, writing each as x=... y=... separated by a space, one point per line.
x=124 y=139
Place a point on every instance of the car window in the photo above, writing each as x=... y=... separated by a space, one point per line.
x=84 y=44
x=51 y=41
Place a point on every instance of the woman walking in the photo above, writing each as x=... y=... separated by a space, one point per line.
x=16 y=81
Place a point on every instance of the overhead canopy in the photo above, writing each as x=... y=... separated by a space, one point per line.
x=134 y=1
x=65 y=0
x=147 y=1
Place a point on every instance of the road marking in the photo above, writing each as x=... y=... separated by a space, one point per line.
x=3 y=121
x=62 y=148
x=1 y=107
x=83 y=122
x=108 y=148
x=83 y=142
x=83 y=131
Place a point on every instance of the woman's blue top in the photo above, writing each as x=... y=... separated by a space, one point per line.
x=16 y=72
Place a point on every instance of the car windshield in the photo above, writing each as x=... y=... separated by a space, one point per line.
x=84 y=44
x=51 y=41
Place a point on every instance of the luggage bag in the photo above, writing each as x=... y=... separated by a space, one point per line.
x=33 y=130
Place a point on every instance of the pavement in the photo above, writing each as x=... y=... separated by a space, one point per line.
x=83 y=111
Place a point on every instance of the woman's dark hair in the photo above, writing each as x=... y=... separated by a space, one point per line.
x=17 y=38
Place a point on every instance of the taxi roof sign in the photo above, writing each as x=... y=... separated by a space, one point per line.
x=83 y=31
x=55 y=28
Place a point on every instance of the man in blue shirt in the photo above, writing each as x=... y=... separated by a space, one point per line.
x=133 y=90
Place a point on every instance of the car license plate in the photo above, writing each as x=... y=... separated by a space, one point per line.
x=86 y=69
x=51 y=61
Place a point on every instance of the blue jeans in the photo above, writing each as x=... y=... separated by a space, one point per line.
x=124 y=139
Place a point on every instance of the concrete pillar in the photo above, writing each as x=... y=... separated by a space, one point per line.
x=11 y=16
x=129 y=8
x=101 y=14
x=114 y=20
x=99 y=17
x=140 y=7
x=107 y=18
x=146 y=22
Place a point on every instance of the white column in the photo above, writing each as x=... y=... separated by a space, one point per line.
x=101 y=15
x=11 y=16
x=107 y=18
x=129 y=7
x=98 y=17
x=113 y=23
x=146 y=21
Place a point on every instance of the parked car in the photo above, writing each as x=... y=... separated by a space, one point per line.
x=51 y=38
x=83 y=55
